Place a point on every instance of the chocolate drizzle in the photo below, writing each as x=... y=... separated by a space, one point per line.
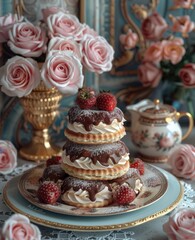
x=91 y=186
x=130 y=175
x=97 y=153
x=53 y=173
x=89 y=117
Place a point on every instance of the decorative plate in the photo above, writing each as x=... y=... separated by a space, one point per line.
x=155 y=186
x=164 y=205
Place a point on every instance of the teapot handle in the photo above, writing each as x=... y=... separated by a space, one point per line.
x=191 y=123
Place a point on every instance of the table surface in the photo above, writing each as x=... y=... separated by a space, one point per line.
x=151 y=230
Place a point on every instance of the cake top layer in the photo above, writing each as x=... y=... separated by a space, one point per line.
x=101 y=152
x=90 y=117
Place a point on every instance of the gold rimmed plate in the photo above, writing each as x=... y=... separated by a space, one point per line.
x=154 y=187
x=16 y=202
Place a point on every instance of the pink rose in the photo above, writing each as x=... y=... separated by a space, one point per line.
x=173 y=52
x=181 y=224
x=27 y=40
x=129 y=40
x=6 y=23
x=97 y=54
x=64 y=44
x=89 y=31
x=182 y=161
x=18 y=227
x=176 y=40
x=51 y=10
x=187 y=4
x=149 y=75
x=8 y=157
x=182 y=24
x=187 y=75
x=63 y=70
x=154 y=26
x=65 y=25
x=19 y=76
x=166 y=142
x=154 y=52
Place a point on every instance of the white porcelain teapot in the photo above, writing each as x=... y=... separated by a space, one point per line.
x=155 y=129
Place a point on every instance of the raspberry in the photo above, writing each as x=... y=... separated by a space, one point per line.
x=125 y=195
x=54 y=160
x=48 y=192
x=106 y=101
x=86 y=98
x=138 y=164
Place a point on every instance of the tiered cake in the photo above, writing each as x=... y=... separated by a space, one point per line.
x=94 y=169
x=94 y=156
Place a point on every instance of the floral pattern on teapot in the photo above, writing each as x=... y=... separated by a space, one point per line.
x=160 y=141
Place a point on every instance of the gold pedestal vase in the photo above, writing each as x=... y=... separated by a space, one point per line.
x=40 y=108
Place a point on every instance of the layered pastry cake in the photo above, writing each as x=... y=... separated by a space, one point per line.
x=93 y=126
x=84 y=193
x=94 y=157
x=95 y=161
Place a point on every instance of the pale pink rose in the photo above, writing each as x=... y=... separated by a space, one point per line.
x=182 y=161
x=27 y=40
x=129 y=40
x=173 y=52
x=65 y=25
x=97 y=54
x=149 y=75
x=177 y=41
x=19 y=76
x=187 y=75
x=166 y=142
x=88 y=30
x=46 y=12
x=154 y=52
x=8 y=157
x=182 y=24
x=154 y=26
x=63 y=44
x=187 y=4
x=181 y=224
x=63 y=70
x=6 y=23
x=18 y=227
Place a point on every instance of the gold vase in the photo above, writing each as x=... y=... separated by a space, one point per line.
x=40 y=108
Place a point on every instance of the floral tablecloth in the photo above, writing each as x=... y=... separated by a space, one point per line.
x=147 y=231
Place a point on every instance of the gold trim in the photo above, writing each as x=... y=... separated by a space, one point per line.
x=93 y=228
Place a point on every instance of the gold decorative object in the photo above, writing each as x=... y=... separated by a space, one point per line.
x=40 y=108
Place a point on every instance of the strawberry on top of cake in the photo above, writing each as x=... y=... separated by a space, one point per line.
x=95 y=119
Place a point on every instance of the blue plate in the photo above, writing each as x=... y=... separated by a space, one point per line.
x=164 y=205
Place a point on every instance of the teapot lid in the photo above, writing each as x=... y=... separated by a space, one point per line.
x=157 y=110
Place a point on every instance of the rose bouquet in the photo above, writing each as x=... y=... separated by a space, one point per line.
x=61 y=43
x=166 y=58
x=44 y=63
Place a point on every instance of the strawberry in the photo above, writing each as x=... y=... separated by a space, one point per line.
x=106 y=101
x=125 y=195
x=138 y=164
x=48 y=192
x=54 y=160
x=86 y=98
